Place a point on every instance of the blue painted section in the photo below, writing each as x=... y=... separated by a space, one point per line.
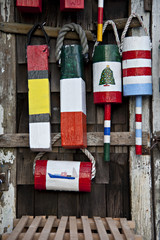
x=107 y=130
x=59 y=176
x=137 y=89
x=138 y=101
x=139 y=133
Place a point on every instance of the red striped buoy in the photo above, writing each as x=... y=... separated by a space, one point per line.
x=137 y=81
x=63 y=175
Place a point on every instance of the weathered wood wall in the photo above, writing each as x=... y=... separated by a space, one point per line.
x=110 y=194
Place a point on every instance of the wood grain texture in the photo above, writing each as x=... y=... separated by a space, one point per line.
x=93 y=138
x=61 y=228
x=126 y=230
x=47 y=228
x=116 y=234
x=155 y=107
x=86 y=228
x=32 y=228
x=140 y=166
x=73 y=228
x=100 y=228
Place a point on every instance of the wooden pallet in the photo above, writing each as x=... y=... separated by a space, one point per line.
x=71 y=228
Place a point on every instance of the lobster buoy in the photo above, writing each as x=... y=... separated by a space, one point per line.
x=29 y=6
x=100 y=20
x=72 y=90
x=70 y=5
x=137 y=81
x=38 y=94
x=107 y=82
x=63 y=175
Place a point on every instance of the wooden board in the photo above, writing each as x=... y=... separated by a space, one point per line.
x=84 y=228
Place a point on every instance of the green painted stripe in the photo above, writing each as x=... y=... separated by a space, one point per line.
x=38 y=74
x=72 y=62
x=106 y=152
x=108 y=52
x=39 y=118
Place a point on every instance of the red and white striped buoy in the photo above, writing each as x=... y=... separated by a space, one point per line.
x=100 y=20
x=137 y=81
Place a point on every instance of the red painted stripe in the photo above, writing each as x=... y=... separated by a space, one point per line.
x=136 y=54
x=37 y=57
x=141 y=71
x=40 y=175
x=138 y=118
x=100 y=15
x=107 y=112
x=138 y=150
x=107 y=97
x=73 y=130
x=85 y=176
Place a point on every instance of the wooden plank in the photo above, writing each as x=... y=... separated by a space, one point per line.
x=155 y=111
x=20 y=28
x=93 y=138
x=61 y=229
x=8 y=109
x=100 y=228
x=87 y=202
x=67 y=236
x=32 y=228
x=25 y=200
x=73 y=228
x=86 y=228
x=79 y=223
x=126 y=229
x=140 y=166
x=114 y=230
x=148 y=5
x=47 y=228
x=18 y=229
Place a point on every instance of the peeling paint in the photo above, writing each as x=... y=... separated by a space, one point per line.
x=6 y=156
x=7 y=212
x=5 y=10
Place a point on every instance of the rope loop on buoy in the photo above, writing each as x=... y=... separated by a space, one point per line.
x=115 y=33
x=133 y=15
x=82 y=35
x=85 y=151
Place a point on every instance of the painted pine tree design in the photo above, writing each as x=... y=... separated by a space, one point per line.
x=107 y=77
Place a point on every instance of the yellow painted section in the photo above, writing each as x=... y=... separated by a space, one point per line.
x=99 y=32
x=39 y=96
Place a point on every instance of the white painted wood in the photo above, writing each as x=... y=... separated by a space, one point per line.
x=7 y=115
x=140 y=166
x=156 y=108
x=40 y=136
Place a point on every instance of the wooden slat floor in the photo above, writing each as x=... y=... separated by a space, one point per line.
x=72 y=228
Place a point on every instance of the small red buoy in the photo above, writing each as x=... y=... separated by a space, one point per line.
x=32 y=6
x=69 y=5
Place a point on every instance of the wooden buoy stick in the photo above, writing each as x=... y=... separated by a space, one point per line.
x=100 y=20
x=107 y=127
x=138 y=119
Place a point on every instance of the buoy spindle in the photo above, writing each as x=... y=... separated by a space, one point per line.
x=100 y=20
x=138 y=119
x=107 y=128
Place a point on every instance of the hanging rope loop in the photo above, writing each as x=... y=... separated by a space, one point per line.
x=127 y=26
x=85 y=151
x=82 y=35
x=115 y=33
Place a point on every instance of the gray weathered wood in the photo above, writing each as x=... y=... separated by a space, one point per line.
x=86 y=228
x=8 y=115
x=100 y=228
x=47 y=228
x=114 y=230
x=155 y=109
x=73 y=228
x=61 y=229
x=140 y=166
x=18 y=229
x=126 y=229
x=32 y=228
x=93 y=138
